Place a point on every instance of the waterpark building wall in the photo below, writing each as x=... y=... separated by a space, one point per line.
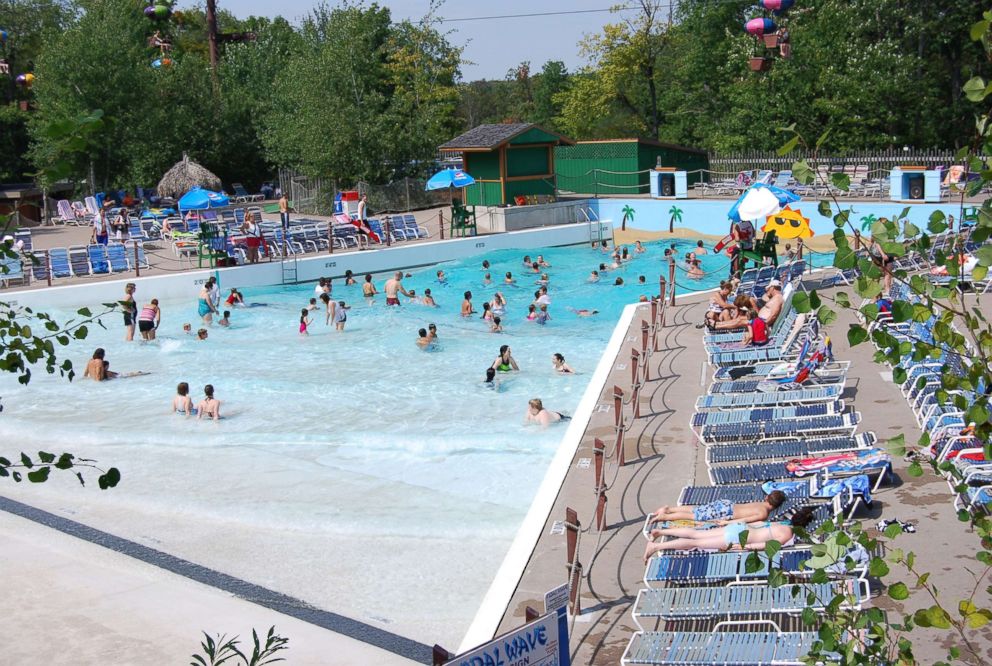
x=620 y=166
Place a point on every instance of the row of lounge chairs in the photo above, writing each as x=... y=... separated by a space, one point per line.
x=764 y=424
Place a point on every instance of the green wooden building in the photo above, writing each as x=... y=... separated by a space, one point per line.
x=508 y=161
x=609 y=166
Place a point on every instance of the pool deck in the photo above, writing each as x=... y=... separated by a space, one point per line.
x=662 y=457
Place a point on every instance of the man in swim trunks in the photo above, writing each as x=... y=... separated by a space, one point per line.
x=723 y=510
x=394 y=287
x=770 y=306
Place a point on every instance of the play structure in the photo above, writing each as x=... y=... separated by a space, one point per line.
x=771 y=38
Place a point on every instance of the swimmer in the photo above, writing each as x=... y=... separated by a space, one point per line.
x=487 y=280
x=425 y=339
x=394 y=287
x=340 y=316
x=583 y=312
x=624 y=255
x=543 y=316
x=485 y=264
x=531 y=312
x=441 y=278
x=498 y=304
x=536 y=413
x=188 y=329
x=312 y=306
x=322 y=287
x=541 y=262
x=95 y=367
x=509 y=278
x=487 y=312
x=428 y=300
x=305 y=320
x=527 y=261
x=593 y=277
x=201 y=334
x=368 y=288
x=699 y=249
x=618 y=282
x=209 y=407
x=413 y=296
x=535 y=268
x=182 y=403
x=638 y=248
x=467 y=309
x=695 y=270
x=505 y=361
x=562 y=368
x=235 y=298
x=349 y=279
x=433 y=330
x=603 y=268
x=490 y=381
x=496 y=326
x=541 y=297
x=329 y=308
x=603 y=247
x=544 y=280
x=226 y=321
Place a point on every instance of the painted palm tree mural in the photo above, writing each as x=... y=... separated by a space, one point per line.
x=676 y=216
x=628 y=214
x=867 y=221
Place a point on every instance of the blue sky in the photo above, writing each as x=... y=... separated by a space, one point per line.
x=493 y=45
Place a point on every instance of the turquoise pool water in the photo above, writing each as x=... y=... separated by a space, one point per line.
x=354 y=470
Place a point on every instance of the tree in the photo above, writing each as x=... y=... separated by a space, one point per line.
x=676 y=216
x=549 y=87
x=628 y=214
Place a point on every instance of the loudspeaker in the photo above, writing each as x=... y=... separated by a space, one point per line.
x=915 y=187
x=667 y=186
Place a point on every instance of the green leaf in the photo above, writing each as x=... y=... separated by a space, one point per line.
x=841 y=181
x=842 y=299
x=974 y=89
x=823 y=208
x=898 y=375
x=902 y=311
x=788 y=146
x=979 y=273
x=899 y=591
x=977 y=619
x=977 y=413
x=914 y=469
x=856 y=335
x=978 y=30
x=801 y=302
x=26 y=461
x=826 y=316
x=823 y=138
x=803 y=172
x=892 y=531
x=46 y=457
x=39 y=475
x=877 y=567
x=109 y=479
x=910 y=230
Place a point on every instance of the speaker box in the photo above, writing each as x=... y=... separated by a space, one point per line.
x=668 y=186
x=915 y=187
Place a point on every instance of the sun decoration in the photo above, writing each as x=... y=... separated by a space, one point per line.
x=788 y=224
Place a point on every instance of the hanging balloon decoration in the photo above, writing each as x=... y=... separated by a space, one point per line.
x=159 y=63
x=774 y=38
x=25 y=80
x=758 y=27
x=160 y=11
x=778 y=6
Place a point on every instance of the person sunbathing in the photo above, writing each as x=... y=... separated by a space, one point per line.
x=723 y=510
x=758 y=534
x=736 y=315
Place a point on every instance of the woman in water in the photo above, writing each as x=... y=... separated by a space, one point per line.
x=536 y=413
x=487 y=312
x=305 y=321
x=148 y=320
x=638 y=248
x=329 y=308
x=467 y=309
x=182 y=404
x=349 y=278
x=758 y=534
x=130 y=309
x=498 y=304
x=368 y=289
x=209 y=407
x=505 y=361
x=531 y=312
x=205 y=305
x=562 y=368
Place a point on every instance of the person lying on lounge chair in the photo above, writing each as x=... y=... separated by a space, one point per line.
x=723 y=510
x=736 y=315
x=728 y=538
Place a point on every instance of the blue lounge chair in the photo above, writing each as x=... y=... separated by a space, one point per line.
x=59 y=262
x=695 y=495
x=117 y=258
x=23 y=236
x=39 y=265
x=696 y=567
x=79 y=259
x=869 y=461
x=414 y=229
x=747 y=415
x=798 y=396
x=99 y=264
x=720 y=647
x=136 y=248
x=750 y=598
x=735 y=432
x=786 y=448
x=11 y=270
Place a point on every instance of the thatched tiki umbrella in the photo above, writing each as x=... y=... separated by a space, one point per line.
x=184 y=176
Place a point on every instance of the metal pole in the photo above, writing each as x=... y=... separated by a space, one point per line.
x=137 y=266
x=671 y=279
x=440 y=217
x=598 y=450
x=330 y=238
x=48 y=269
x=386 y=228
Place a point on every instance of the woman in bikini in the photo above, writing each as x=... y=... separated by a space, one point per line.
x=727 y=538
x=505 y=361
x=129 y=306
x=536 y=413
x=182 y=404
x=209 y=407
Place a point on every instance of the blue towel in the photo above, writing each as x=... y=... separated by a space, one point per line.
x=858 y=485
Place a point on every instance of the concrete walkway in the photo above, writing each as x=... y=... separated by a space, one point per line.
x=663 y=456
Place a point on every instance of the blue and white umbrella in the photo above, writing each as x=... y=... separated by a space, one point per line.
x=759 y=201
x=201 y=199
x=449 y=178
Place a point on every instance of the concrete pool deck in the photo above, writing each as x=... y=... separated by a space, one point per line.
x=662 y=457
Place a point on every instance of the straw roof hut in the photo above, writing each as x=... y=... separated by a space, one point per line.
x=184 y=176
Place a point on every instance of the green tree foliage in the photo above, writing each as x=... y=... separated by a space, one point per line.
x=363 y=98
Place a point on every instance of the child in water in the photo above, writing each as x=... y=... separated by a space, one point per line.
x=305 y=321
x=340 y=315
x=226 y=321
x=182 y=404
x=497 y=326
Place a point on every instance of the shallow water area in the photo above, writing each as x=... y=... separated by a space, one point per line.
x=352 y=470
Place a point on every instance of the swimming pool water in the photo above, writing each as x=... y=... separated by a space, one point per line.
x=352 y=470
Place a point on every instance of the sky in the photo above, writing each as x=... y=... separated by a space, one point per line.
x=492 y=45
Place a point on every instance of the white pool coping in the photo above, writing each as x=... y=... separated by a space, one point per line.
x=497 y=599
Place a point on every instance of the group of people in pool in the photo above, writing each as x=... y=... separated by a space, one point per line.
x=536 y=412
x=208 y=408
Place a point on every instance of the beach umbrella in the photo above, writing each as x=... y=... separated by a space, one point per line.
x=759 y=201
x=184 y=176
x=201 y=199
x=449 y=178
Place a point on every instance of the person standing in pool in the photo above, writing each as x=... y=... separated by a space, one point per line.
x=505 y=361
x=329 y=309
x=467 y=309
x=428 y=299
x=305 y=320
x=638 y=248
x=209 y=407
x=543 y=316
x=129 y=306
x=148 y=320
x=340 y=316
x=496 y=326
x=368 y=287
x=425 y=339
x=182 y=404
x=394 y=287
x=509 y=278
x=536 y=413
x=487 y=312
x=205 y=305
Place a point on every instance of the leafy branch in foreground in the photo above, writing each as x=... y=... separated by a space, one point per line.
x=957 y=342
x=222 y=650
x=42 y=466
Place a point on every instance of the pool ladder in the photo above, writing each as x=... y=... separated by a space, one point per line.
x=289 y=270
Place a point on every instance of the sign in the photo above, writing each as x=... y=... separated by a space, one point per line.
x=556 y=598
x=543 y=642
